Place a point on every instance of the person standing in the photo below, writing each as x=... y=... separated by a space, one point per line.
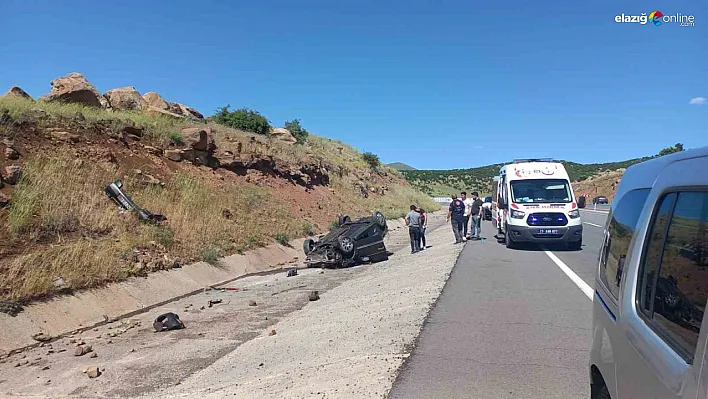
x=413 y=223
x=423 y=227
x=466 y=216
x=456 y=213
x=476 y=210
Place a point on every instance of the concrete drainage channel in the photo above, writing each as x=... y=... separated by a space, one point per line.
x=163 y=359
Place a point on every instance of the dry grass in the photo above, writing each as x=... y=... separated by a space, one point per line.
x=60 y=203
x=61 y=224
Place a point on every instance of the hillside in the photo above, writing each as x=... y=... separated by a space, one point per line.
x=400 y=166
x=222 y=190
x=444 y=182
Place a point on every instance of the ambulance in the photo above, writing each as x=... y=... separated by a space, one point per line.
x=534 y=203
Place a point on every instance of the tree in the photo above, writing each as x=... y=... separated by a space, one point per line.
x=244 y=119
x=371 y=159
x=670 y=150
x=297 y=131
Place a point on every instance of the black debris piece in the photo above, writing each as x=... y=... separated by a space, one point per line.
x=167 y=321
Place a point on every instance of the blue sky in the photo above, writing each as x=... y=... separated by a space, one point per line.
x=435 y=84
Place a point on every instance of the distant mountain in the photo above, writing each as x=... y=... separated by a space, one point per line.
x=401 y=166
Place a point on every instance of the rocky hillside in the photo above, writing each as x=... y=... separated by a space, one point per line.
x=221 y=190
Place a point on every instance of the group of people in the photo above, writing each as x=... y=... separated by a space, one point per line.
x=417 y=222
x=466 y=212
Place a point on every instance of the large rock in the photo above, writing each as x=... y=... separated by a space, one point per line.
x=13 y=174
x=126 y=98
x=74 y=88
x=188 y=112
x=157 y=111
x=156 y=101
x=283 y=135
x=17 y=92
x=200 y=139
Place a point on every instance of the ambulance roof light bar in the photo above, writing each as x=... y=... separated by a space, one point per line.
x=535 y=160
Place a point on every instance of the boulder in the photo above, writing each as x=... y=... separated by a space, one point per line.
x=200 y=139
x=17 y=92
x=189 y=112
x=282 y=134
x=11 y=153
x=154 y=100
x=126 y=98
x=74 y=88
x=173 y=155
x=4 y=201
x=66 y=136
x=12 y=174
x=153 y=110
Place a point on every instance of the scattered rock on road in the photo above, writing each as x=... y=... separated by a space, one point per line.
x=82 y=350
x=92 y=371
x=252 y=303
x=271 y=333
x=314 y=296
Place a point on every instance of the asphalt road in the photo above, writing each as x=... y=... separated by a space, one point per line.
x=509 y=323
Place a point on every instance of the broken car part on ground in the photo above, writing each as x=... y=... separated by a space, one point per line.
x=115 y=192
x=350 y=243
x=167 y=321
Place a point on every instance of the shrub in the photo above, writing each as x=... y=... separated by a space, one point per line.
x=176 y=138
x=243 y=119
x=282 y=239
x=210 y=255
x=371 y=159
x=297 y=131
x=334 y=224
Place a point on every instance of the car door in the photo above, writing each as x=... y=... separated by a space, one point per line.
x=665 y=291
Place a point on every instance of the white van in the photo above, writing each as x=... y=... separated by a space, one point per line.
x=651 y=284
x=535 y=203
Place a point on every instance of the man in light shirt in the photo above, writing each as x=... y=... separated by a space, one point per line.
x=468 y=210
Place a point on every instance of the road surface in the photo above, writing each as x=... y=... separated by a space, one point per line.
x=509 y=324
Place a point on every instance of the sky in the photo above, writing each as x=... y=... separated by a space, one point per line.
x=435 y=84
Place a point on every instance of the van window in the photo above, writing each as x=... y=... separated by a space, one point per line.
x=622 y=224
x=675 y=286
x=540 y=191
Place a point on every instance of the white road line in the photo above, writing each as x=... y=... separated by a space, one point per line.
x=593 y=224
x=592 y=211
x=574 y=277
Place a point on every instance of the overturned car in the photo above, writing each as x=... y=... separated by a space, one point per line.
x=350 y=243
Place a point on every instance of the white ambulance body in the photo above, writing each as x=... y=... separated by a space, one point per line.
x=534 y=202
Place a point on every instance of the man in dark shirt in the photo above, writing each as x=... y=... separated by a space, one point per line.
x=457 y=214
x=476 y=215
x=413 y=221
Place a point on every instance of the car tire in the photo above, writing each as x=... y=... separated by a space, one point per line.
x=344 y=219
x=509 y=242
x=308 y=246
x=346 y=245
x=575 y=245
x=599 y=392
x=380 y=220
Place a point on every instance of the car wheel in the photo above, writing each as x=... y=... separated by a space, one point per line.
x=308 y=246
x=344 y=219
x=576 y=245
x=346 y=244
x=380 y=219
x=509 y=242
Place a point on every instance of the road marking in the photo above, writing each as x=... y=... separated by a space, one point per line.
x=592 y=211
x=593 y=224
x=574 y=277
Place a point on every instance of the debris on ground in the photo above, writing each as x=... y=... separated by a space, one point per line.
x=92 y=371
x=82 y=350
x=271 y=333
x=116 y=194
x=313 y=295
x=167 y=321
x=41 y=337
x=213 y=302
x=291 y=273
x=252 y=303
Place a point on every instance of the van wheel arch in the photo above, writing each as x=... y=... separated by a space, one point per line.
x=598 y=388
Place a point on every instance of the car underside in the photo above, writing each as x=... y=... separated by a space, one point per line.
x=350 y=243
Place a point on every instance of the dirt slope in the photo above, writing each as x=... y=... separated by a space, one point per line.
x=222 y=191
